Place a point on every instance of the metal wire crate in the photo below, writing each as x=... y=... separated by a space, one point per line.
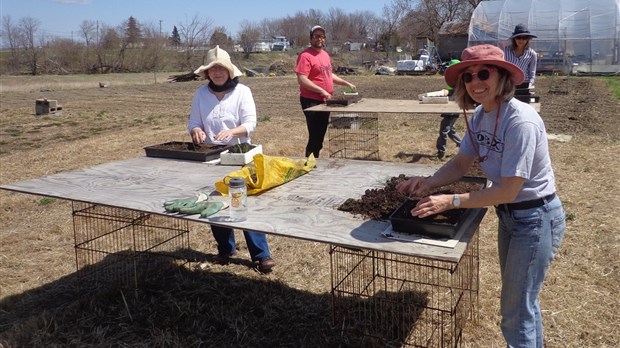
x=404 y=300
x=354 y=136
x=123 y=245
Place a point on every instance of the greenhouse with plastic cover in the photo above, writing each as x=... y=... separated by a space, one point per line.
x=573 y=36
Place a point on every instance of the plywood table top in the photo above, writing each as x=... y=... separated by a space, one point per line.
x=369 y=105
x=304 y=208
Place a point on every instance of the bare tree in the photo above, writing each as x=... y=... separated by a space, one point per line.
x=108 y=59
x=392 y=16
x=10 y=34
x=62 y=55
x=248 y=36
x=220 y=37
x=29 y=28
x=434 y=13
x=269 y=28
x=338 y=23
x=153 y=44
x=298 y=27
x=88 y=30
x=194 y=34
x=360 y=25
x=314 y=17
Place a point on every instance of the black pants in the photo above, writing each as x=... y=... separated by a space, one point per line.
x=317 y=123
x=446 y=130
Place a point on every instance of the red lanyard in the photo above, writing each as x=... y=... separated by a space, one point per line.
x=469 y=132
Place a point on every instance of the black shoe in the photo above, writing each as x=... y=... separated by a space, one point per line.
x=440 y=154
x=222 y=259
x=266 y=264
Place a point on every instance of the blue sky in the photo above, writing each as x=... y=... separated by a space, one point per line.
x=62 y=18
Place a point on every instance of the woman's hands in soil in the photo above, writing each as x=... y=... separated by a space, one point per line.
x=432 y=205
x=198 y=136
x=416 y=186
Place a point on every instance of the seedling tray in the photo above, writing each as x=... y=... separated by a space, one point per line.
x=186 y=151
x=240 y=155
x=444 y=225
x=345 y=100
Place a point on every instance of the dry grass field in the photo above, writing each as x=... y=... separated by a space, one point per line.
x=209 y=305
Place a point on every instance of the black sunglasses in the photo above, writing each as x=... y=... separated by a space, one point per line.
x=483 y=75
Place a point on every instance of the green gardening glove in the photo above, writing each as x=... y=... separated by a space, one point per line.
x=212 y=208
x=195 y=208
x=176 y=205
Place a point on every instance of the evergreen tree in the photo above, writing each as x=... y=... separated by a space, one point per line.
x=175 y=39
x=132 y=32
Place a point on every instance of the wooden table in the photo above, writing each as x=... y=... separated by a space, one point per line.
x=124 y=199
x=354 y=128
x=405 y=106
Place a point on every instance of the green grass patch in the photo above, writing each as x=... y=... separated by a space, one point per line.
x=614 y=85
x=264 y=118
x=46 y=200
x=13 y=131
x=101 y=113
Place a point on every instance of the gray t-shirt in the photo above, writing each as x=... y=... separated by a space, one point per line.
x=518 y=147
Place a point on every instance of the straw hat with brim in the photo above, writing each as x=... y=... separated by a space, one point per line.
x=521 y=30
x=217 y=56
x=482 y=54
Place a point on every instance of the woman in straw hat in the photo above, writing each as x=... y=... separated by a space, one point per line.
x=509 y=140
x=521 y=54
x=223 y=113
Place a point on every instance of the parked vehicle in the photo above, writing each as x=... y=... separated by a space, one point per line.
x=427 y=62
x=280 y=44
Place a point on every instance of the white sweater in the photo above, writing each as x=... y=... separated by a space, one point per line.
x=212 y=115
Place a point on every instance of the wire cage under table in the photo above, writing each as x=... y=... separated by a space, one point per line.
x=123 y=246
x=404 y=300
x=354 y=136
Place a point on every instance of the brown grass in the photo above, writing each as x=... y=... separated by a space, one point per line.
x=213 y=305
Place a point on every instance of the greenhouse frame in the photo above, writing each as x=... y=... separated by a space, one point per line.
x=573 y=36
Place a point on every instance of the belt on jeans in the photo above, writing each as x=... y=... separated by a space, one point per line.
x=534 y=203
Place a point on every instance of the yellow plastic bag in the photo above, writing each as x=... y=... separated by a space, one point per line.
x=267 y=172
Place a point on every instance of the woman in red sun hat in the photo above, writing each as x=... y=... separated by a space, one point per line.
x=508 y=138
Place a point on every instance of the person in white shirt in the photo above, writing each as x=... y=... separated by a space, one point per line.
x=223 y=113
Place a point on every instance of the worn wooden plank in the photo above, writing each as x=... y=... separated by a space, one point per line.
x=304 y=208
x=367 y=105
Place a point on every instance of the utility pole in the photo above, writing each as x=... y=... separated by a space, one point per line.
x=160 y=27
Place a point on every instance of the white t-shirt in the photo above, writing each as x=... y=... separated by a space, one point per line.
x=213 y=116
x=519 y=147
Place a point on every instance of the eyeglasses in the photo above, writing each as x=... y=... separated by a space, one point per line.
x=318 y=36
x=483 y=75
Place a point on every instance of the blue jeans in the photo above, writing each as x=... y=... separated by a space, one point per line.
x=447 y=130
x=527 y=243
x=256 y=241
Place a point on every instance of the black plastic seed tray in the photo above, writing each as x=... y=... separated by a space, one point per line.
x=186 y=151
x=444 y=225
